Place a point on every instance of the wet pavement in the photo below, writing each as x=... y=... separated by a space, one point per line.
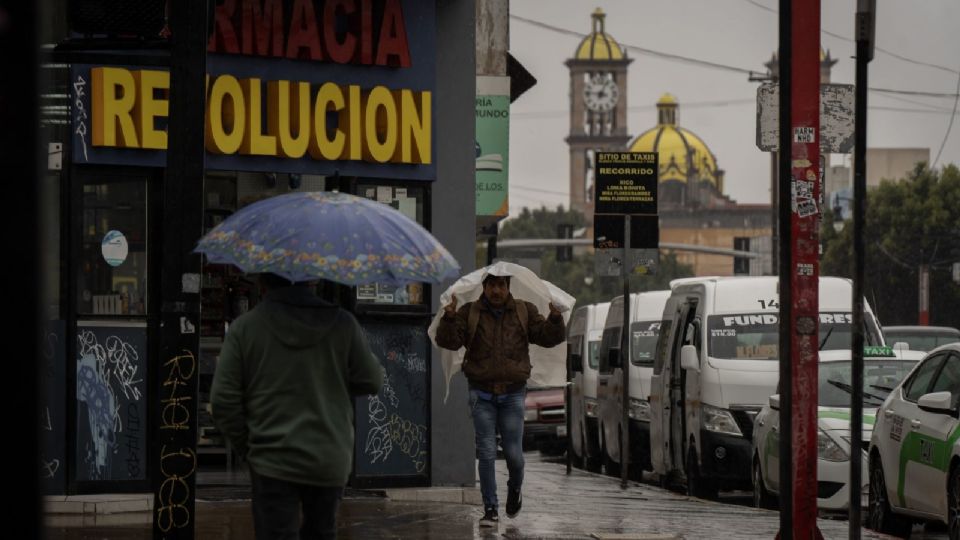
x=582 y=505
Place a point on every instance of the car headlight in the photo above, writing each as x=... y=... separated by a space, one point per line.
x=529 y=415
x=828 y=449
x=590 y=406
x=719 y=421
x=640 y=409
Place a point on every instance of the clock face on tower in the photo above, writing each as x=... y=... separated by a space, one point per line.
x=600 y=93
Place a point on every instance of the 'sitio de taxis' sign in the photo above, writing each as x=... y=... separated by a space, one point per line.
x=308 y=86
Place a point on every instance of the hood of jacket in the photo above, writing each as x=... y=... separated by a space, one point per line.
x=297 y=317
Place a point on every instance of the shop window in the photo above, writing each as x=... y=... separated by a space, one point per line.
x=112 y=276
x=409 y=201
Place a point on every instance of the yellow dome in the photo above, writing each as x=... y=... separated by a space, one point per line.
x=599 y=45
x=678 y=149
x=667 y=99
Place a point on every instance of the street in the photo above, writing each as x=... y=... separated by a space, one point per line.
x=555 y=506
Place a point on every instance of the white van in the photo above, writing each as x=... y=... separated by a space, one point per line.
x=704 y=397
x=583 y=344
x=646 y=311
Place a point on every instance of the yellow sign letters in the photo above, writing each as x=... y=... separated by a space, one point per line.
x=330 y=122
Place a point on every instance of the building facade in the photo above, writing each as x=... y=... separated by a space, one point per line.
x=693 y=207
x=300 y=97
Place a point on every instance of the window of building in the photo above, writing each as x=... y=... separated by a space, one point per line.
x=410 y=202
x=113 y=255
x=741 y=265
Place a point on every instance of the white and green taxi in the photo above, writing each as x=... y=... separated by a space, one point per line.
x=883 y=369
x=914 y=450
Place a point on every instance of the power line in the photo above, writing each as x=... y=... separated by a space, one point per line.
x=949 y=127
x=642 y=108
x=642 y=50
x=540 y=190
x=914 y=93
x=909 y=110
x=922 y=104
x=557 y=113
x=881 y=49
x=707 y=63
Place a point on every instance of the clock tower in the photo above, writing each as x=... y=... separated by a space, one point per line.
x=598 y=108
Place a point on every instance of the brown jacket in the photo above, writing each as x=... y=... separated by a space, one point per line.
x=499 y=352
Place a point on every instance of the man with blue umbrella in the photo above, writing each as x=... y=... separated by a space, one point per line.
x=283 y=395
x=496 y=331
x=285 y=380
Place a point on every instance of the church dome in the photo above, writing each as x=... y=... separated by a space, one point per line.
x=599 y=45
x=682 y=154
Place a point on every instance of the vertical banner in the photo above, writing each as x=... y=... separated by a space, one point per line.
x=804 y=263
x=493 y=146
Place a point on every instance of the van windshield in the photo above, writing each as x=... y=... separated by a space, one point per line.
x=643 y=348
x=755 y=336
x=879 y=379
x=593 y=348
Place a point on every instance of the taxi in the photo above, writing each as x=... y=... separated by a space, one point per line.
x=914 y=451
x=883 y=369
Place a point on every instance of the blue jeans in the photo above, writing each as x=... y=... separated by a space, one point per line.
x=493 y=413
x=278 y=505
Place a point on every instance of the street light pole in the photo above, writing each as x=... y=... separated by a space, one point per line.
x=866 y=10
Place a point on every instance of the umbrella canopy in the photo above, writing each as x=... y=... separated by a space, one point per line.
x=305 y=236
x=549 y=365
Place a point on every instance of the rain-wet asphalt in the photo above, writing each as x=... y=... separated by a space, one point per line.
x=555 y=506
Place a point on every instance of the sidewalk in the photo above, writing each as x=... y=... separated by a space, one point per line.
x=555 y=506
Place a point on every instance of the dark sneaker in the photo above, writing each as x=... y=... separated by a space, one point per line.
x=490 y=518
x=514 y=502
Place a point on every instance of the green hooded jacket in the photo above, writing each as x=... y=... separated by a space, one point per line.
x=283 y=389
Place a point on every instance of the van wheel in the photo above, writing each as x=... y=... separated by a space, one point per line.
x=880 y=517
x=761 y=497
x=610 y=467
x=590 y=463
x=697 y=486
x=953 y=501
x=577 y=457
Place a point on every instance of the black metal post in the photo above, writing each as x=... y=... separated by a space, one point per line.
x=20 y=151
x=864 y=36
x=625 y=358
x=568 y=406
x=786 y=256
x=174 y=463
x=491 y=249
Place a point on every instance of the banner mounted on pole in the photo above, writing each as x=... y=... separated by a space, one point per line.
x=626 y=184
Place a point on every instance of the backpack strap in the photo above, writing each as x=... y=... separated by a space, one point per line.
x=522 y=315
x=473 y=319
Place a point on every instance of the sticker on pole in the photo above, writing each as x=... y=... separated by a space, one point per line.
x=804 y=134
x=803 y=202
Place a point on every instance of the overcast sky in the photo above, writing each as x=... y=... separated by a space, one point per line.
x=719 y=105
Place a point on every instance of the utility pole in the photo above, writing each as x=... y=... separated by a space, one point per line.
x=923 y=318
x=799 y=281
x=864 y=35
x=174 y=457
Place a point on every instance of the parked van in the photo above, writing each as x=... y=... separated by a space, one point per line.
x=646 y=312
x=717 y=365
x=583 y=344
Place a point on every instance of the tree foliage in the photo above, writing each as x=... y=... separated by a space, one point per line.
x=909 y=222
x=578 y=276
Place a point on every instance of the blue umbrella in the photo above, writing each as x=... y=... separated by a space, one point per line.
x=327 y=235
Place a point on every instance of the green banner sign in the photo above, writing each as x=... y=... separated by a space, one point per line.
x=493 y=145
